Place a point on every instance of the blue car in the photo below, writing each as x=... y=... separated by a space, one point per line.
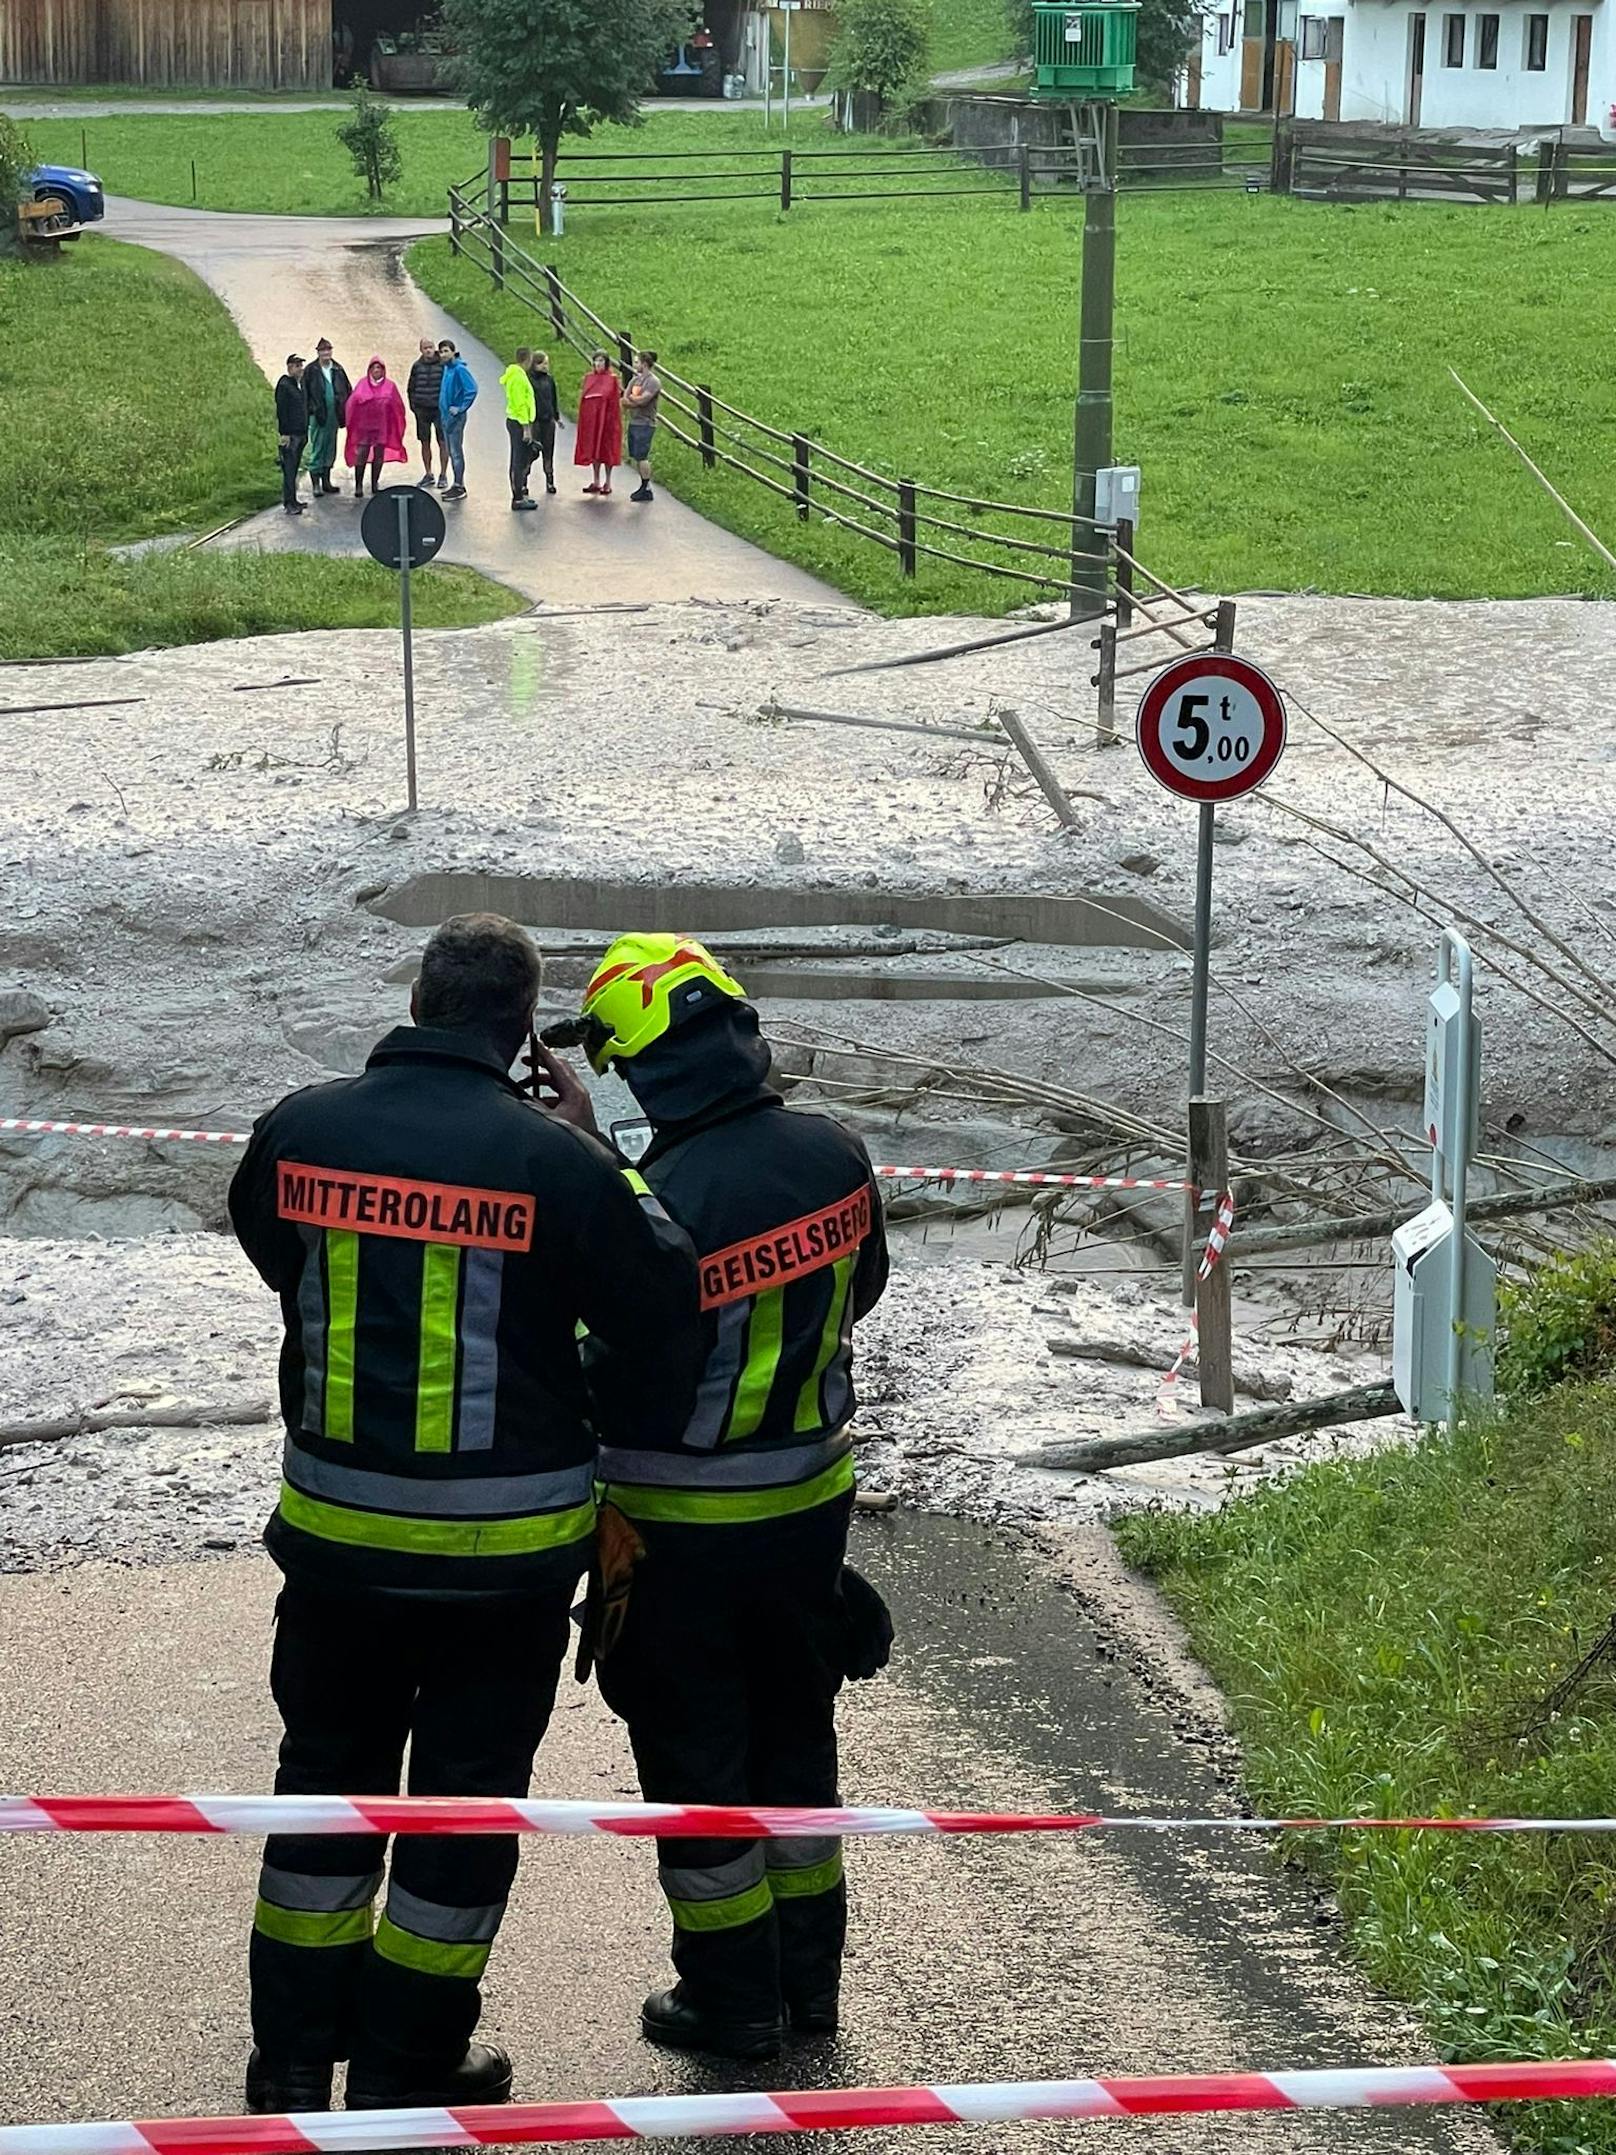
x=80 y=193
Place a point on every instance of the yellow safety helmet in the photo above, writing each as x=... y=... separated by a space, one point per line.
x=645 y=986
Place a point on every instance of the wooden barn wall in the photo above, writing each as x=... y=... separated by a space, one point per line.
x=240 y=44
x=50 y=41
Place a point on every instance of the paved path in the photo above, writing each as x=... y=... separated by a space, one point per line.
x=122 y=1981
x=291 y=280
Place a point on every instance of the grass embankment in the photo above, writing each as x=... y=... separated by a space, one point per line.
x=1281 y=375
x=1390 y=1634
x=969 y=33
x=132 y=408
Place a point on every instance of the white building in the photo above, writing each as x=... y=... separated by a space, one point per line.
x=1507 y=66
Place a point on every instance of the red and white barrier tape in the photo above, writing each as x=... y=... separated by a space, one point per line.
x=667 y=2117
x=1216 y=1243
x=1037 y=1178
x=713 y=1822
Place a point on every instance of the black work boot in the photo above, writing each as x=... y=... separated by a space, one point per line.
x=669 y=2018
x=482 y=2076
x=815 y=2013
x=275 y=2085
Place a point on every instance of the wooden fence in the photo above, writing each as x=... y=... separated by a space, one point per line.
x=793 y=178
x=1355 y=171
x=1045 y=548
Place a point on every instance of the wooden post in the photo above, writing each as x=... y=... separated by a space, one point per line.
x=625 y=356
x=908 y=558
x=558 y=312
x=1105 y=725
x=1279 y=163
x=1562 y=171
x=800 y=447
x=1032 y=756
x=454 y=222
x=1209 y=1171
x=1514 y=169
x=1223 y=632
x=1024 y=172
x=1545 y=173
x=785 y=179
x=704 y=419
x=496 y=254
x=1122 y=568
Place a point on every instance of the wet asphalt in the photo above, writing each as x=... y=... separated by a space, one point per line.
x=122 y=1972
x=292 y=280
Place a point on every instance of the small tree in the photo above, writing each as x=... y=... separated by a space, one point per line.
x=551 y=68
x=16 y=162
x=369 y=139
x=881 y=46
x=1167 y=29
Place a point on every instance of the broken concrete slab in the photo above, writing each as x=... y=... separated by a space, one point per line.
x=1106 y=919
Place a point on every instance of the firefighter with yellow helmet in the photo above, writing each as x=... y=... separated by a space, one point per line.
x=742 y=1621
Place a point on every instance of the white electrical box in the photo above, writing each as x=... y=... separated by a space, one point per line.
x=1116 y=495
x=1452 y=1094
x=1422 y=1258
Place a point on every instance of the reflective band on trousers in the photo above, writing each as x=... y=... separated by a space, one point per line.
x=769 y=1467
x=802 y=1883
x=309 y=1891
x=730 y=1506
x=312 y=1927
x=428 y=1956
x=414 y=1536
x=480 y=1496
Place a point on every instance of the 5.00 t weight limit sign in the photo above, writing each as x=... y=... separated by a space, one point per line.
x=1211 y=727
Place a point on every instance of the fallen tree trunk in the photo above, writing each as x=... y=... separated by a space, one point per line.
x=92 y=1420
x=1513 y=1204
x=1232 y=1433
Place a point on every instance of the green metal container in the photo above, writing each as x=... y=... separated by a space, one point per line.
x=1084 y=51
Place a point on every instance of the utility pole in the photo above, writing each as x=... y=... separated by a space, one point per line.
x=1096 y=335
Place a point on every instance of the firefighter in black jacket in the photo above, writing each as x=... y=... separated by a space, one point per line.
x=437 y=1242
x=737 y=1631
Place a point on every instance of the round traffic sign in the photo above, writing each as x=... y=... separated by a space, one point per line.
x=1211 y=727
x=387 y=535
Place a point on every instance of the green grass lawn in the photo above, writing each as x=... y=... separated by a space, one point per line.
x=1281 y=374
x=1388 y=1633
x=291 y=163
x=969 y=33
x=132 y=408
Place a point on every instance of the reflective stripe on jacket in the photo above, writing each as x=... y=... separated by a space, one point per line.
x=437 y=1243
x=786 y=1219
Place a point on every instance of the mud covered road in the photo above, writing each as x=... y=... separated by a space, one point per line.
x=122 y=1984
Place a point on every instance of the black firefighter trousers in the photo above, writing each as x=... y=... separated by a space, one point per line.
x=469 y=1685
x=726 y=1674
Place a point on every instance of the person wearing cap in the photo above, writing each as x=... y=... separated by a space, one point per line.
x=292 y=424
x=740 y=1619
x=328 y=389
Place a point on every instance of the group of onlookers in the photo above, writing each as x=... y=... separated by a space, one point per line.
x=315 y=403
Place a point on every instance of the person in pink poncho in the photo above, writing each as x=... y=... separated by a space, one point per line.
x=375 y=424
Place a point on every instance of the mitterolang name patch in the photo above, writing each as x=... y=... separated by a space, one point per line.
x=414 y=1211
x=785 y=1253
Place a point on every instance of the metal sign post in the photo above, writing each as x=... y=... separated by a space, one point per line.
x=403 y=528
x=1210 y=728
x=1452 y=1107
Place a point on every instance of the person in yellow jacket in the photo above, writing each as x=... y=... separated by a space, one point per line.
x=519 y=413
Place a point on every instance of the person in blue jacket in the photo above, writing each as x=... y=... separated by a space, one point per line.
x=455 y=399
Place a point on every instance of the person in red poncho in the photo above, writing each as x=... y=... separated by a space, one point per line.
x=375 y=423
x=598 y=435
